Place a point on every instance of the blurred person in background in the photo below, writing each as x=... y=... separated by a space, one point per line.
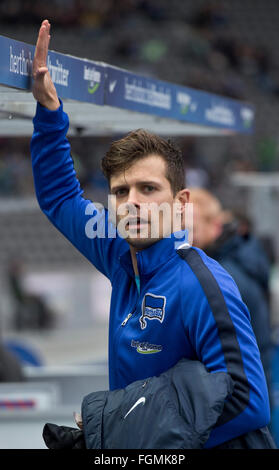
x=227 y=237
x=10 y=366
x=30 y=310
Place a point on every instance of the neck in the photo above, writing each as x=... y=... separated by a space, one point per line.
x=134 y=260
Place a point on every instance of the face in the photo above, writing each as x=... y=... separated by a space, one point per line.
x=138 y=192
x=206 y=227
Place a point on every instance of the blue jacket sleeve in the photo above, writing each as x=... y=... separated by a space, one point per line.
x=60 y=196
x=220 y=331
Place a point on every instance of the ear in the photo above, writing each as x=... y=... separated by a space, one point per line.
x=182 y=197
x=218 y=226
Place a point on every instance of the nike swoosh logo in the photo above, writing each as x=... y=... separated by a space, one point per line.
x=112 y=86
x=138 y=402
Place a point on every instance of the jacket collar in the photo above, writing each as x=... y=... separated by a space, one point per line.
x=155 y=255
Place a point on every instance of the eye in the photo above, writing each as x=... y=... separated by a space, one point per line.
x=120 y=192
x=148 y=188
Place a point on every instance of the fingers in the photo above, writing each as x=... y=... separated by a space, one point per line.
x=78 y=419
x=45 y=25
x=39 y=73
x=41 y=70
x=42 y=44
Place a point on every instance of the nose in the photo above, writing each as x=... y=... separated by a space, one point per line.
x=133 y=198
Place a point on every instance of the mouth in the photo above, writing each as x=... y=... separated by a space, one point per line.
x=136 y=223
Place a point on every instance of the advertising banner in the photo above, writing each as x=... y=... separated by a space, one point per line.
x=148 y=95
x=102 y=84
x=74 y=78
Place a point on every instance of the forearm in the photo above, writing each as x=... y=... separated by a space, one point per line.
x=57 y=187
x=54 y=175
x=247 y=408
x=60 y=195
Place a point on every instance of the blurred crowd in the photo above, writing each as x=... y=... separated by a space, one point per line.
x=201 y=50
x=206 y=35
x=209 y=166
x=221 y=50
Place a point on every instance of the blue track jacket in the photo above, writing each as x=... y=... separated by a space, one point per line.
x=187 y=307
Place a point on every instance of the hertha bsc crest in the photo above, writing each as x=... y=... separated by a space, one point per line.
x=153 y=308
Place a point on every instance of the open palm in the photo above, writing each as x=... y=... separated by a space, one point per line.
x=43 y=88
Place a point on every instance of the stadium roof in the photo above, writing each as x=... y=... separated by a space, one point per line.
x=103 y=100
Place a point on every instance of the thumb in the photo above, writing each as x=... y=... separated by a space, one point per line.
x=40 y=72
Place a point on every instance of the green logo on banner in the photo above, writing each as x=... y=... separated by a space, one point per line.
x=184 y=109
x=93 y=88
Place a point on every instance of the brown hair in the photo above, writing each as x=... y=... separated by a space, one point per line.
x=138 y=144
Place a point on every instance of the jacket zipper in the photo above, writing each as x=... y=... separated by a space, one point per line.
x=122 y=325
x=131 y=313
x=126 y=319
x=129 y=316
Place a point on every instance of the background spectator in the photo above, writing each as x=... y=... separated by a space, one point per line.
x=230 y=240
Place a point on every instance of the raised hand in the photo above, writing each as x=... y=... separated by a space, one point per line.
x=43 y=87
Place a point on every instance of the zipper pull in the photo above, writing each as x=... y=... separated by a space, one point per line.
x=126 y=319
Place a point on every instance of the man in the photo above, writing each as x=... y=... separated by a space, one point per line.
x=228 y=239
x=208 y=217
x=162 y=308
